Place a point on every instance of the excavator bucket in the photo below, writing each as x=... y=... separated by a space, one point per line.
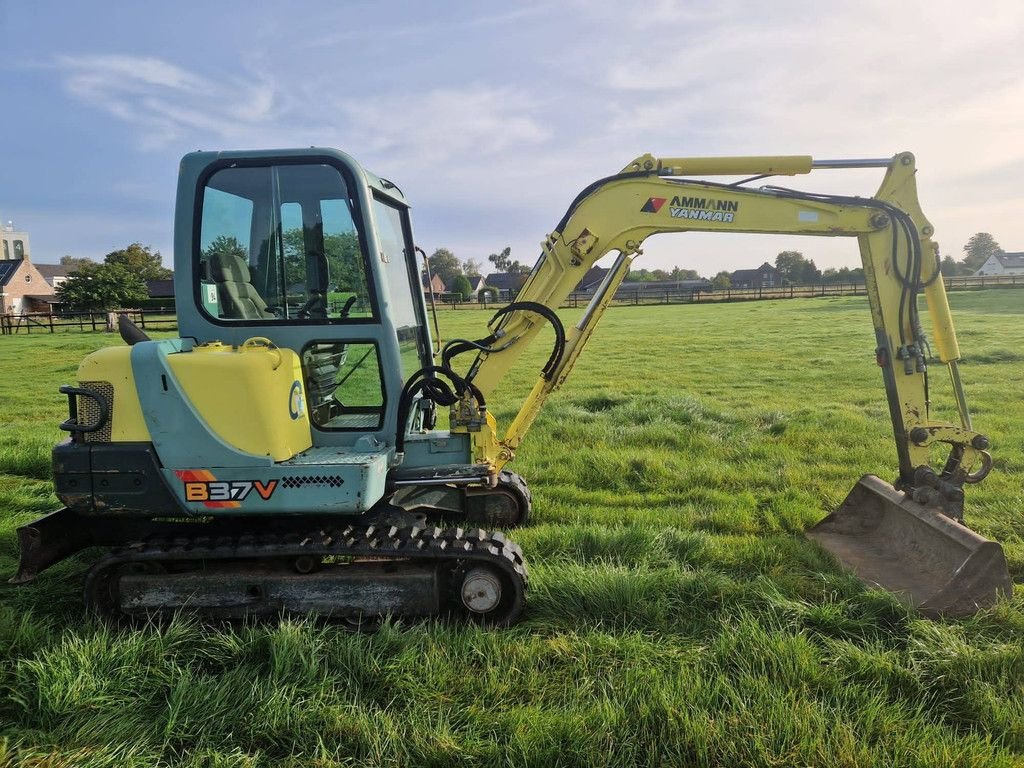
x=933 y=563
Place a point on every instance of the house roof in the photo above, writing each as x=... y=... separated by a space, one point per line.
x=50 y=271
x=750 y=274
x=7 y=269
x=1011 y=260
x=505 y=281
x=160 y=289
x=476 y=282
x=435 y=282
x=591 y=279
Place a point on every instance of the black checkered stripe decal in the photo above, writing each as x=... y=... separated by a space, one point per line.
x=331 y=481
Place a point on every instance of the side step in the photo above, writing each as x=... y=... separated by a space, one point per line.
x=933 y=563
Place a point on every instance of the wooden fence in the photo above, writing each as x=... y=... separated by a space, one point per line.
x=62 y=322
x=165 y=319
x=637 y=297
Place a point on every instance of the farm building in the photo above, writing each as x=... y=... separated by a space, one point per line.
x=507 y=284
x=642 y=288
x=765 y=276
x=1003 y=264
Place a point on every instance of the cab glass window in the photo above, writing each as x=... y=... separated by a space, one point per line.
x=402 y=277
x=280 y=244
x=344 y=386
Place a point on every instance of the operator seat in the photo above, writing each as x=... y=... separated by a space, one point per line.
x=238 y=298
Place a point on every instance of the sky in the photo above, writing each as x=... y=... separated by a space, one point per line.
x=491 y=117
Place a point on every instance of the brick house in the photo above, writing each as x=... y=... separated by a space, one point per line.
x=434 y=286
x=23 y=288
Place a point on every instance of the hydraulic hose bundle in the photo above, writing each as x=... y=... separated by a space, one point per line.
x=425 y=382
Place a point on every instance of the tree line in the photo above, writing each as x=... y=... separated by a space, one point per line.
x=120 y=279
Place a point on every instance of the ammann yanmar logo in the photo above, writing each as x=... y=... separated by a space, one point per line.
x=698 y=208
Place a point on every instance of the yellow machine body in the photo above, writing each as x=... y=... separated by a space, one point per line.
x=113 y=366
x=251 y=396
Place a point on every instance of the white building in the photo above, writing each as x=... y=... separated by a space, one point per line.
x=15 y=243
x=1003 y=264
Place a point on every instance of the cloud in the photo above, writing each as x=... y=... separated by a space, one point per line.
x=463 y=126
x=558 y=96
x=429 y=29
x=166 y=101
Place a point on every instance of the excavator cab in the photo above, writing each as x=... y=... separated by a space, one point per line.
x=314 y=254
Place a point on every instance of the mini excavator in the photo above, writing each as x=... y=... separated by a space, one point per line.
x=283 y=455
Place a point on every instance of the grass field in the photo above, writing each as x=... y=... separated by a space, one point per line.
x=676 y=614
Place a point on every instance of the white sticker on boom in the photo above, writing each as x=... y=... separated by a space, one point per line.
x=807 y=216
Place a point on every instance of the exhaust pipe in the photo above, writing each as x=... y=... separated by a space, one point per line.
x=930 y=561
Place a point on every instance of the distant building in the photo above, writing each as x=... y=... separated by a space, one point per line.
x=160 y=289
x=507 y=284
x=1003 y=264
x=23 y=288
x=765 y=276
x=591 y=281
x=55 y=274
x=435 y=286
x=476 y=282
x=642 y=288
x=15 y=243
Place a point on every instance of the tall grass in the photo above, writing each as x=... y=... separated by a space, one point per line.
x=676 y=614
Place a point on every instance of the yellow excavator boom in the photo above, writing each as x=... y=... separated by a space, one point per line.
x=617 y=213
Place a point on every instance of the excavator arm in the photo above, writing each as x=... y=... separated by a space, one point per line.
x=616 y=214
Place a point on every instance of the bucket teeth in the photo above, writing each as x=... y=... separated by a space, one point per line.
x=933 y=563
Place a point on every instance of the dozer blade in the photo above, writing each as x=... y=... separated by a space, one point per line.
x=933 y=563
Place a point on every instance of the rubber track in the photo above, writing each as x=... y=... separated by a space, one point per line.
x=460 y=547
x=517 y=484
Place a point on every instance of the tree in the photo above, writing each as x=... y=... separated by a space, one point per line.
x=141 y=260
x=460 y=285
x=950 y=267
x=75 y=262
x=791 y=265
x=684 y=274
x=503 y=260
x=722 y=280
x=444 y=264
x=102 y=287
x=843 y=275
x=471 y=268
x=809 y=273
x=978 y=250
x=344 y=259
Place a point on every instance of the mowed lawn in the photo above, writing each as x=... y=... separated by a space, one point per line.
x=677 y=615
